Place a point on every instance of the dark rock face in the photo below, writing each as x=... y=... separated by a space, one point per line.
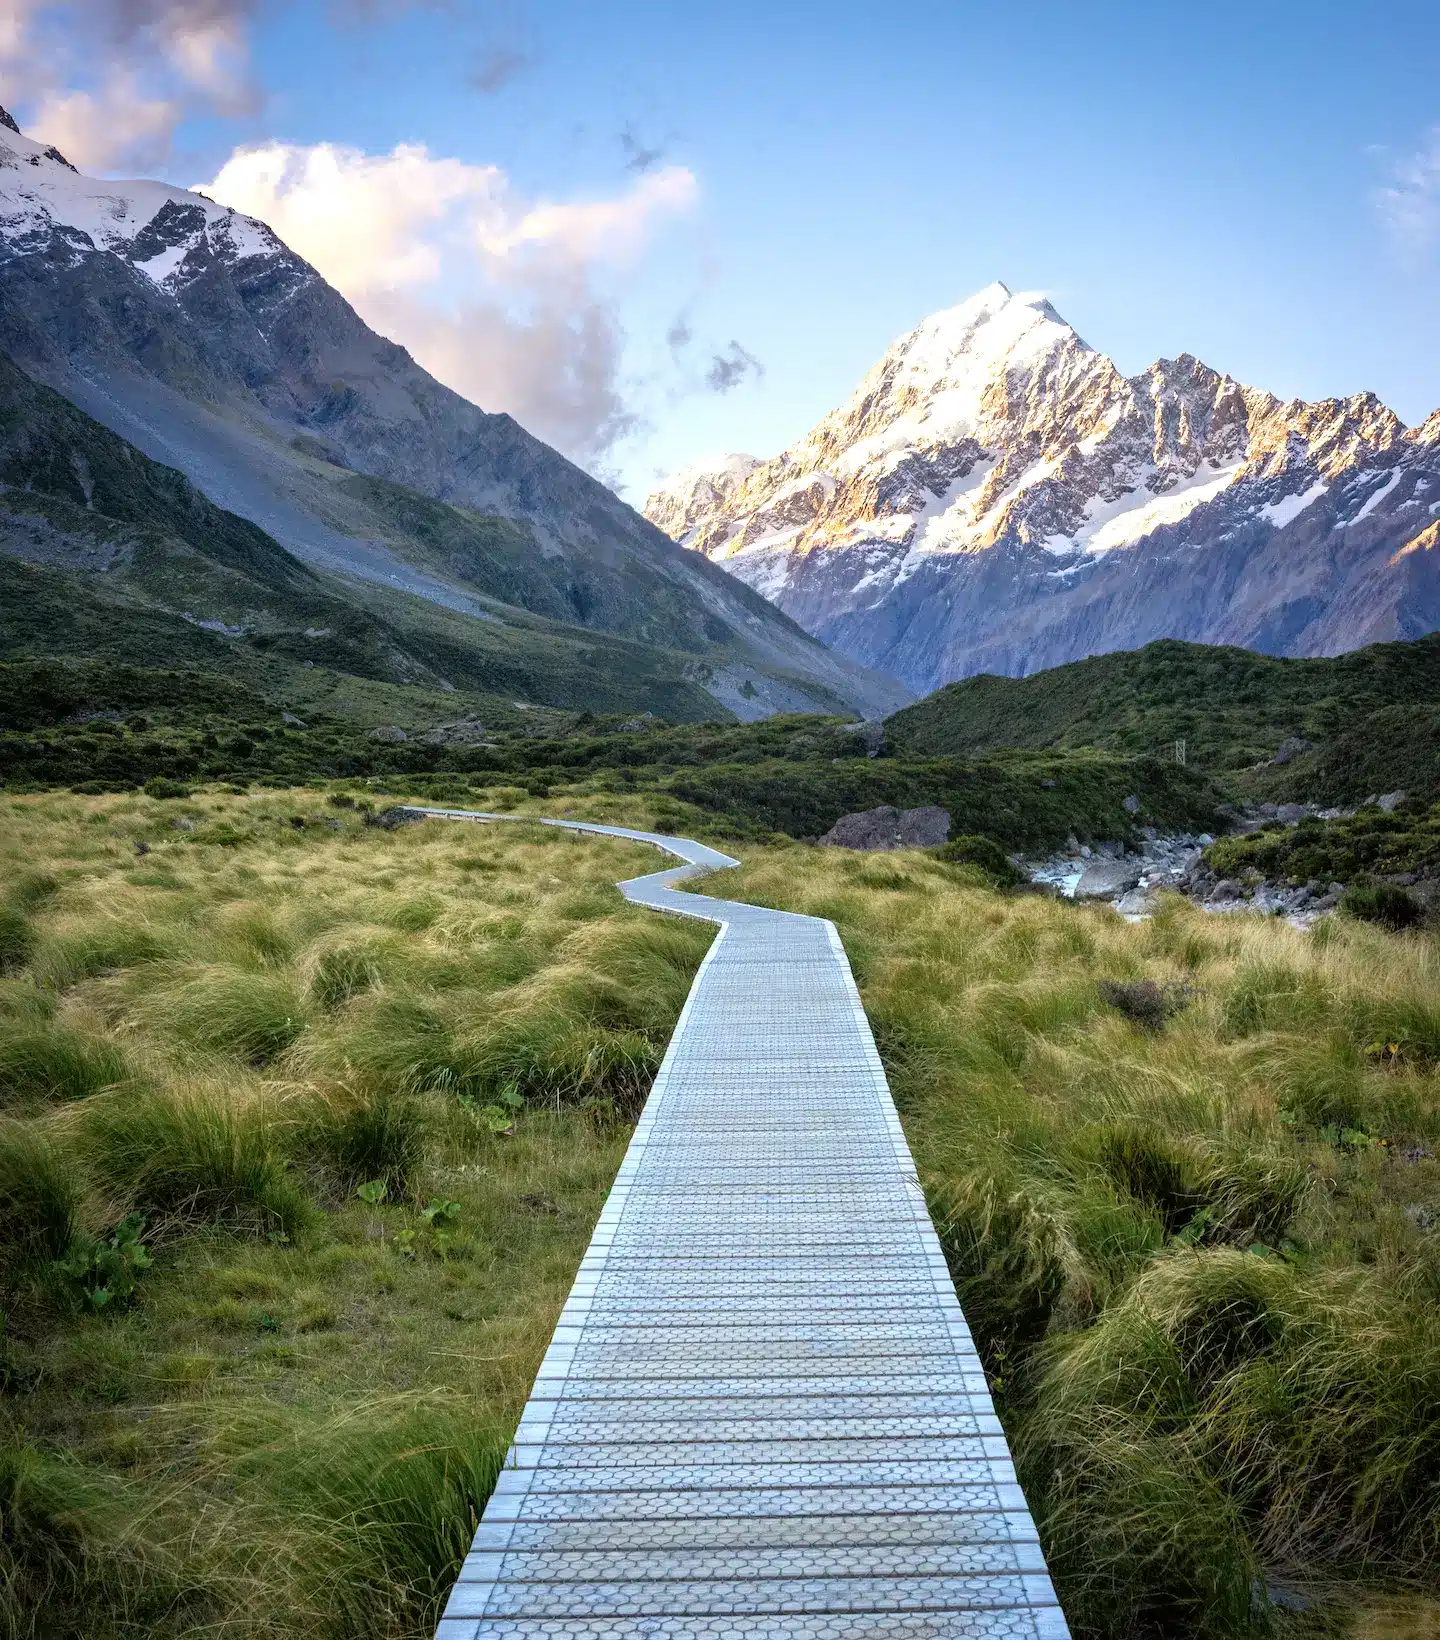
x=889 y=828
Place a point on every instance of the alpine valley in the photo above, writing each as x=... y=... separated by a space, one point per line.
x=997 y=497
x=333 y=493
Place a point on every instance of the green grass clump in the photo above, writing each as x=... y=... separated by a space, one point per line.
x=197 y=1153
x=391 y=1492
x=253 y=1016
x=40 y=1195
x=56 y=1062
x=381 y=1135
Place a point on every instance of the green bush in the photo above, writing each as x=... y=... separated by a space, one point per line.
x=160 y=786
x=984 y=853
x=1383 y=903
x=39 y=1195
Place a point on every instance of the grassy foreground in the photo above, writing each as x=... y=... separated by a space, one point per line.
x=1184 y=1172
x=275 y=1278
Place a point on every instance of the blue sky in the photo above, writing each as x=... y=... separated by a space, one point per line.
x=790 y=186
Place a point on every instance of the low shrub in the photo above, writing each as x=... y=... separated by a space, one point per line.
x=1144 y=1002
x=1385 y=903
x=983 y=852
x=40 y=1193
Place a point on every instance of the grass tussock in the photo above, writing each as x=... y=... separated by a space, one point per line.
x=299 y=1152
x=1185 y=1174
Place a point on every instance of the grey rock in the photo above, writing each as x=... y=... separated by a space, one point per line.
x=889 y=828
x=1131 y=805
x=1390 y=801
x=1291 y=747
x=394 y=817
x=291 y=720
x=1103 y=879
x=1138 y=902
x=1291 y=813
x=390 y=734
x=1225 y=889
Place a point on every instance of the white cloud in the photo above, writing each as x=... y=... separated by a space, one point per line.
x=503 y=298
x=1409 y=202
x=108 y=81
x=92 y=128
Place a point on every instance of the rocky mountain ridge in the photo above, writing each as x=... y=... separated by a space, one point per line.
x=193 y=332
x=997 y=497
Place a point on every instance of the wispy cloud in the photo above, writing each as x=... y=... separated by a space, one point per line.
x=730 y=367
x=497 y=64
x=1408 y=201
x=508 y=300
x=637 y=156
x=108 y=81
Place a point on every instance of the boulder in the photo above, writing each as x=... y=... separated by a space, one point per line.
x=887 y=828
x=1131 y=805
x=1137 y=902
x=1291 y=813
x=1102 y=879
x=1391 y=801
x=1225 y=889
x=1292 y=746
x=391 y=734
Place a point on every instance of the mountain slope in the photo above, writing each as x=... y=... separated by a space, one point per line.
x=997 y=497
x=106 y=554
x=195 y=334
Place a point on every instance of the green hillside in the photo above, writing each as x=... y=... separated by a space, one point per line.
x=1373 y=716
x=110 y=556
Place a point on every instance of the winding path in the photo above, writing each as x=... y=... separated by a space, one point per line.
x=761 y=1413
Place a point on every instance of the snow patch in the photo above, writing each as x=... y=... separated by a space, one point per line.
x=1280 y=513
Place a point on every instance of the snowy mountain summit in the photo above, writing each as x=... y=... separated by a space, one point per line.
x=997 y=496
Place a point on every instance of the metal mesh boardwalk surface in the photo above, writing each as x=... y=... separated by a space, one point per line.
x=761 y=1413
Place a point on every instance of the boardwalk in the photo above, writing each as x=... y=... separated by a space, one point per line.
x=762 y=1413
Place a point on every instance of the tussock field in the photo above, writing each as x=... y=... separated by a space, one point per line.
x=304 y=1125
x=1185 y=1175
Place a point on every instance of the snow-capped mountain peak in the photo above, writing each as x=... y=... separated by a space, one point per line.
x=990 y=443
x=151 y=225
